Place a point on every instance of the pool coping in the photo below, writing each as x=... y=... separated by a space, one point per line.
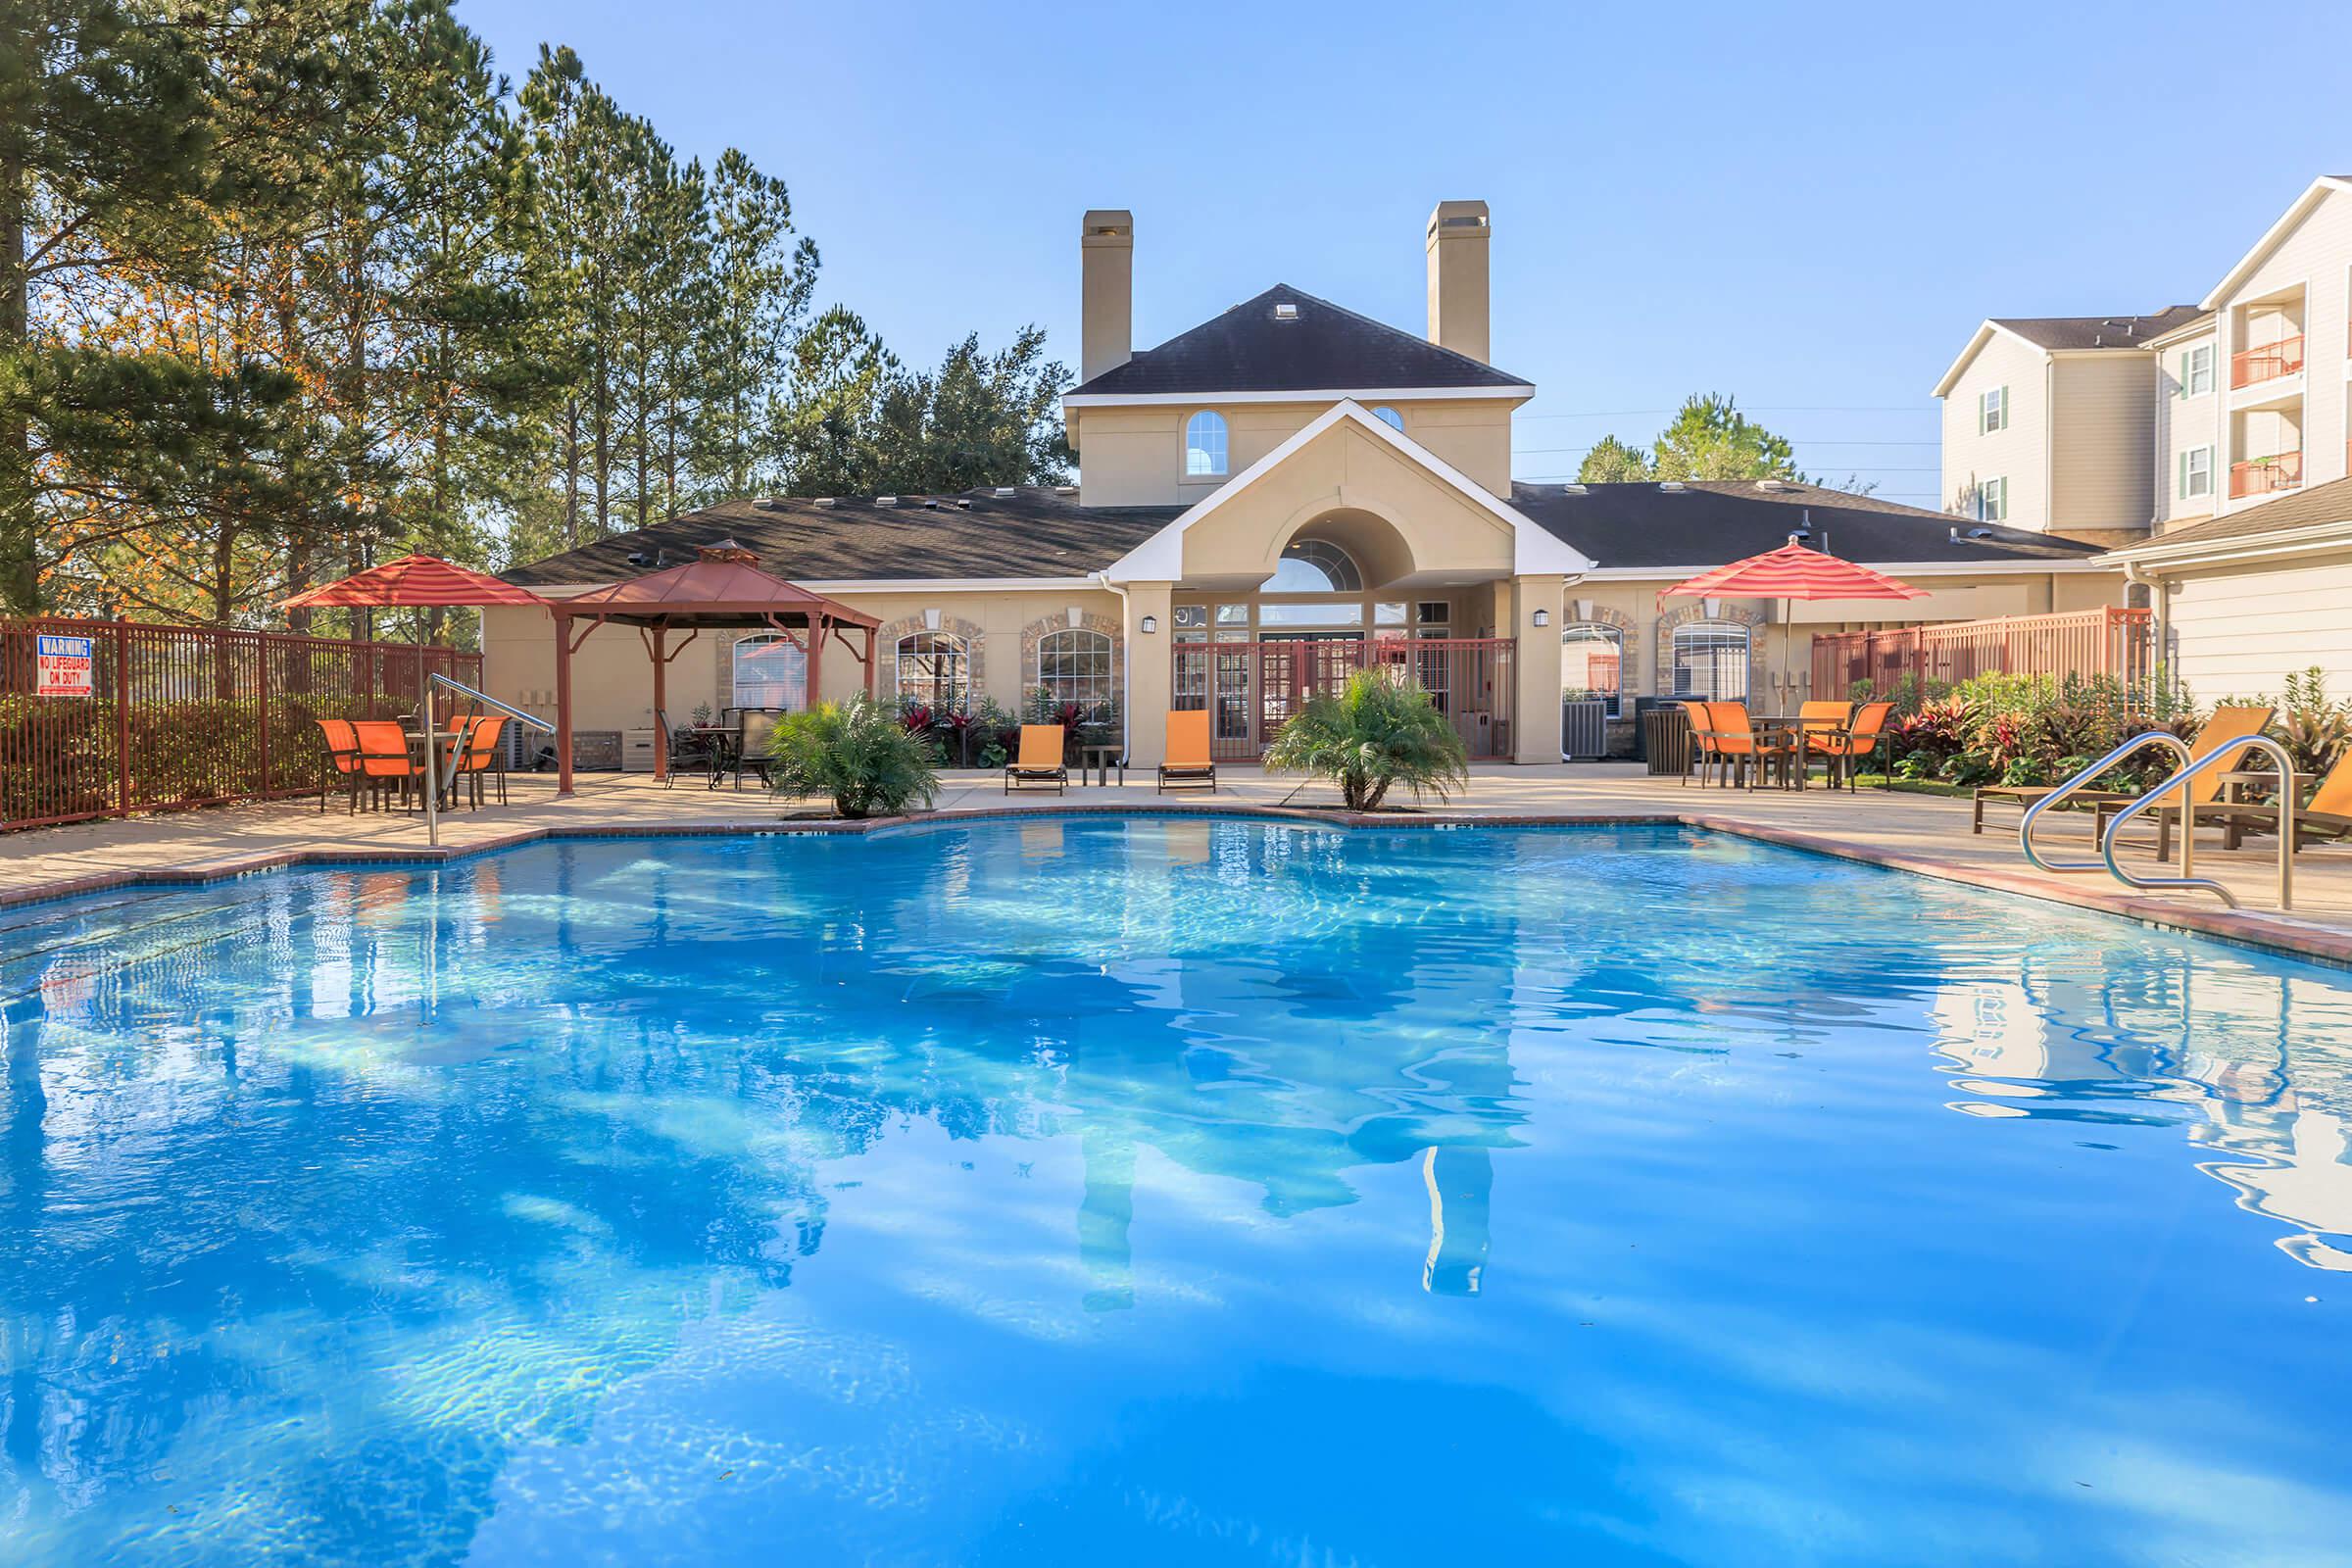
x=2250 y=928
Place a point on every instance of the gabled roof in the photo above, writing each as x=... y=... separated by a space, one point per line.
x=1035 y=532
x=1642 y=525
x=2313 y=194
x=1534 y=552
x=2316 y=507
x=2072 y=334
x=721 y=585
x=1324 y=348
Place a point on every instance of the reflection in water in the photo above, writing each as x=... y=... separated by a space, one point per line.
x=985 y=1195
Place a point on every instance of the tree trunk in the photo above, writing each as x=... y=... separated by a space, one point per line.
x=19 y=568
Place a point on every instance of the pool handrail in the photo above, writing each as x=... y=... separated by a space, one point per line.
x=488 y=701
x=2025 y=827
x=432 y=769
x=2219 y=757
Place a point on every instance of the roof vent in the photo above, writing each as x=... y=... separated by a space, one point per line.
x=1007 y=491
x=1776 y=486
x=1980 y=534
x=1672 y=487
x=1572 y=488
x=963 y=503
x=1065 y=489
x=826 y=501
x=1286 y=311
x=886 y=501
x=931 y=506
x=769 y=504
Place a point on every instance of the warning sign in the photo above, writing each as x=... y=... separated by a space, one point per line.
x=62 y=667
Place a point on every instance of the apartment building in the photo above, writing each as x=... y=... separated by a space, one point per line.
x=2049 y=423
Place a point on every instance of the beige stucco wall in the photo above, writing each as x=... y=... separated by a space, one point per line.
x=1132 y=455
x=2103 y=443
x=2181 y=424
x=2315 y=257
x=2019 y=454
x=2242 y=630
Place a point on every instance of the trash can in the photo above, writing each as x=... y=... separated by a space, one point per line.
x=1665 y=736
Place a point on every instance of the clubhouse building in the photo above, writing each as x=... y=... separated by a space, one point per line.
x=1284 y=493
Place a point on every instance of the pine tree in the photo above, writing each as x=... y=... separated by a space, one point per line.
x=752 y=302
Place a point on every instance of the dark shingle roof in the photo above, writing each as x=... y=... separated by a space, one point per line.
x=2097 y=332
x=1034 y=532
x=1327 y=348
x=2321 y=503
x=1713 y=521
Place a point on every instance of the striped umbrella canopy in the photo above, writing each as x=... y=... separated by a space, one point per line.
x=1794 y=571
x=412 y=583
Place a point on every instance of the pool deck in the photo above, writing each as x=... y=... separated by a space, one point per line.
x=1919 y=833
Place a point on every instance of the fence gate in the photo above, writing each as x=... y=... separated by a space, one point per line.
x=1253 y=688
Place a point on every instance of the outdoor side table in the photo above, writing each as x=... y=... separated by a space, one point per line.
x=1102 y=759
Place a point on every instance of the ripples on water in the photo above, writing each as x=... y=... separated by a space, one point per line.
x=1165 y=1191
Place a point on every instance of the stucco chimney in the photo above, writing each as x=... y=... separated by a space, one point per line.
x=1458 y=278
x=1107 y=298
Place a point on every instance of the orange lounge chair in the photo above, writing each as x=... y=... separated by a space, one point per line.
x=1190 y=765
x=1847 y=744
x=1040 y=761
x=2327 y=816
x=2228 y=726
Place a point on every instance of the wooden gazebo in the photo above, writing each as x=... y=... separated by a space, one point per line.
x=723 y=587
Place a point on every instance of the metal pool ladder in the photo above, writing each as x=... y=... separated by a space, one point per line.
x=432 y=766
x=2192 y=768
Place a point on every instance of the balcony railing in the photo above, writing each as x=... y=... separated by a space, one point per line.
x=2248 y=366
x=2261 y=476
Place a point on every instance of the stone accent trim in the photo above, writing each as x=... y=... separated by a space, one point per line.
x=1662 y=640
x=975 y=650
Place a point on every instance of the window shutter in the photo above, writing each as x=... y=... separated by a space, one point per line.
x=2182 y=463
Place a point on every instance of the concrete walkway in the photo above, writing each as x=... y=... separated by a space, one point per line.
x=1914 y=832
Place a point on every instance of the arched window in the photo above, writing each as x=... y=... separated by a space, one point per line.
x=1205 y=444
x=1711 y=660
x=770 y=672
x=935 y=670
x=1593 y=663
x=1314 y=567
x=1074 y=667
x=1390 y=417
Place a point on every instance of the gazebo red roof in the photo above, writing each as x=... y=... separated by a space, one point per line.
x=722 y=584
x=412 y=583
x=1794 y=571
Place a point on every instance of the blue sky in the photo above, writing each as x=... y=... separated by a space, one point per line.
x=1810 y=211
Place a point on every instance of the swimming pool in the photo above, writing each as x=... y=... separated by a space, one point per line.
x=1165 y=1189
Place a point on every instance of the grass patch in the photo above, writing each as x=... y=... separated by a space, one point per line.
x=1918 y=786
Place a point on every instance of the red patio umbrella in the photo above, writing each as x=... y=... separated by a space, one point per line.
x=1794 y=571
x=412 y=583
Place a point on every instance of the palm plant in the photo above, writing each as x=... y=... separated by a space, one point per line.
x=1382 y=730
x=859 y=754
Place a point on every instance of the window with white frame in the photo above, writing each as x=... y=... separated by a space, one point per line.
x=2196 y=370
x=1593 y=663
x=1992 y=501
x=770 y=670
x=1205 y=445
x=934 y=670
x=1711 y=660
x=1390 y=417
x=1314 y=567
x=1993 y=410
x=2196 y=473
x=1073 y=668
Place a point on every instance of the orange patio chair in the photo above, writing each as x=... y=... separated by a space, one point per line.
x=385 y=762
x=1040 y=761
x=342 y=744
x=1703 y=746
x=1847 y=744
x=1736 y=746
x=1190 y=765
x=480 y=757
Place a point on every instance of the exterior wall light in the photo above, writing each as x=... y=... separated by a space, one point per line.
x=1151 y=625
x=1543 y=618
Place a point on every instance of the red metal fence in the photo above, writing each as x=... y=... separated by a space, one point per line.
x=188 y=716
x=1252 y=689
x=2088 y=642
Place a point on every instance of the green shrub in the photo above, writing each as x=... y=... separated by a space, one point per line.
x=858 y=753
x=1920 y=764
x=1379 y=732
x=2315 y=728
x=1972 y=767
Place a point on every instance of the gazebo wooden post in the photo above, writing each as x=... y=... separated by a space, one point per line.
x=661 y=706
x=816 y=627
x=562 y=704
x=869 y=662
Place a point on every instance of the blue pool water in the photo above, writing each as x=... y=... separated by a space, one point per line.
x=1165 y=1191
